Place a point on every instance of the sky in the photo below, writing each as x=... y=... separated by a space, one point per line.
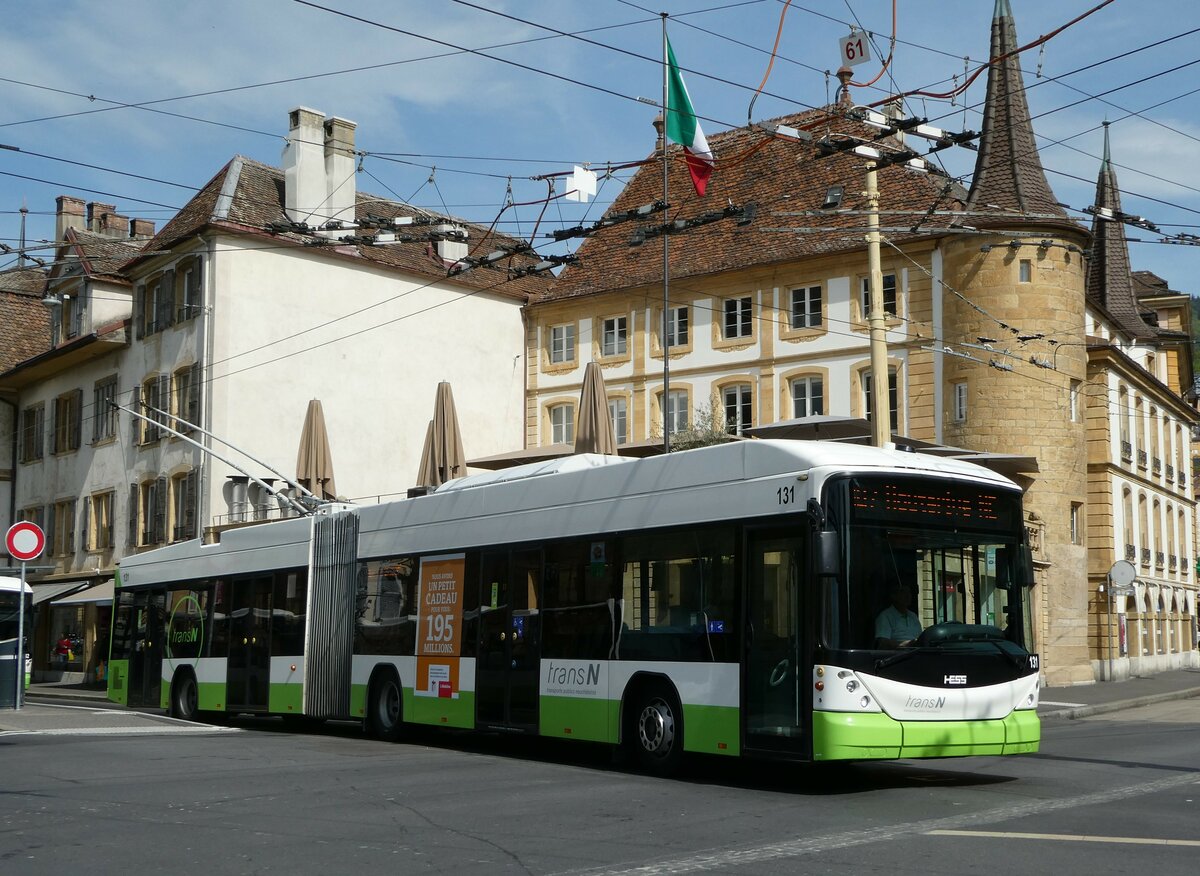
x=459 y=105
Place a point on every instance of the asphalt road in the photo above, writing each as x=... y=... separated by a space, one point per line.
x=1107 y=794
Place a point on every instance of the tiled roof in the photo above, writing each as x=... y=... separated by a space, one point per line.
x=249 y=196
x=1109 y=278
x=1149 y=284
x=1008 y=171
x=24 y=322
x=100 y=255
x=780 y=176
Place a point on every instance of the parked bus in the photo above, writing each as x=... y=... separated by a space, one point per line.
x=723 y=600
x=14 y=658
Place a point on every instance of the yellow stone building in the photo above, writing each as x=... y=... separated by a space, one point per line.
x=1008 y=335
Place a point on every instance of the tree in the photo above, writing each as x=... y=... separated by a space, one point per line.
x=706 y=428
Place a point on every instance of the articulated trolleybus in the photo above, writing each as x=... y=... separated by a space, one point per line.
x=727 y=600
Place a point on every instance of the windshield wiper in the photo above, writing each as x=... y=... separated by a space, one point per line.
x=900 y=657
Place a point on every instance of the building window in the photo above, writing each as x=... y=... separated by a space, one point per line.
x=889 y=296
x=893 y=399
x=187 y=291
x=677 y=326
x=147 y=512
x=104 y=415
x=60 y=529
x=1076 y=523
x=33 y=432
x=808 y=397
x=619 y=414
x=1076 y=416
x=183 y=506
x=1025 y=271
x=806 y=307
x=68 y=421
x=677 y=411
x=737 y=318
x=562 y=344
x=739 y=410
x=562 y=424
x=97 y=527
x=185 y=398
x=960 y=401
x=148 y=399
x=613 y=340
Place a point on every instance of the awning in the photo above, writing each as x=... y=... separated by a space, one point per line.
x=102 y=592
x=42 y=592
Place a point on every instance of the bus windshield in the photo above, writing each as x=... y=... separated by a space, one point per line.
x=927 y=563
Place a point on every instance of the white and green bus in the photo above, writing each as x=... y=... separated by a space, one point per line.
x=14 y=659
x=721 y=600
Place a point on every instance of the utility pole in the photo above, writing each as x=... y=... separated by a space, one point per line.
x=881 y=426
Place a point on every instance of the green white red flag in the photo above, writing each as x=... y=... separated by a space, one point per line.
x=684 y=128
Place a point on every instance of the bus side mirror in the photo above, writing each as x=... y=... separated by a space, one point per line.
x=1023 y=574
x=828 y=553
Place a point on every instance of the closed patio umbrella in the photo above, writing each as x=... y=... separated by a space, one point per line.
x=443 y=458
x=314 y=463
x=594 y=434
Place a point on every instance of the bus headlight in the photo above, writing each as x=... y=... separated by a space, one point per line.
x=851 y=686
x=865 y=701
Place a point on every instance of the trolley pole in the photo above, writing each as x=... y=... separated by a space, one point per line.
x=876 y=319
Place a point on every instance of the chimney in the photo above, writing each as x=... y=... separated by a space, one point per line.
x=96 y=214
x=69 y=215
x=340 y=168
x=142 y=229
x=304 y=189
x=114 y=225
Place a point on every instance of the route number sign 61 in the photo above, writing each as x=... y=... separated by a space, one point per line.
x=856 y=48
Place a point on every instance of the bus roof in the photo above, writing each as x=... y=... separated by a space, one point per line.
x=13 y=584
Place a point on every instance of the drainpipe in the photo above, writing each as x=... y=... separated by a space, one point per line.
x=206 y=405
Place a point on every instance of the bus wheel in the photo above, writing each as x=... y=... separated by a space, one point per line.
x=385 y=707
x=657 y=729
x=185 y=698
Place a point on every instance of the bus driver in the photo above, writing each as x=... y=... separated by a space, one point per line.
x=897 y=626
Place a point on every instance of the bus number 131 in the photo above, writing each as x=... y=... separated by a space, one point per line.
x=786 y=495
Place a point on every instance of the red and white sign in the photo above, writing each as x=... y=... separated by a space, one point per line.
x=25 y=541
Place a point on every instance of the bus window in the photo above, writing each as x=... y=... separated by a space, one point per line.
x=386 y=616
x=287 y=612
x=578 y=620
x=220 y=619
x=188 y=624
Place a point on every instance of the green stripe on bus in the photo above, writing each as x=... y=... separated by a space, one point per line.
x=358 y=700
x=118 y=675
x=211 y=696
x=1023 y=732
x=440 y=711
x=846 y=736
x=952 y=738
x=286 y=699
x=593 y=720
x=711 y=729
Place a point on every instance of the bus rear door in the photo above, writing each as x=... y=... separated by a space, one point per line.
x=775 y=665
x=248 y=679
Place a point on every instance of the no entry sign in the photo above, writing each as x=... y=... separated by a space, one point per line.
x=25 y=541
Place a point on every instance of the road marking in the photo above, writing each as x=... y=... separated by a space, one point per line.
x=1070 y=838
x=1052 y=703
x=724 y=859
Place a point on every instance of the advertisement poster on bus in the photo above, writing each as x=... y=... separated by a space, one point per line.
x=439 y=625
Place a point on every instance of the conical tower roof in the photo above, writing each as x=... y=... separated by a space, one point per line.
x=1109 y=276
x=1008 y=171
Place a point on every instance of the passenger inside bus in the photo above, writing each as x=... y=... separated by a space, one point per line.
x=897 y=626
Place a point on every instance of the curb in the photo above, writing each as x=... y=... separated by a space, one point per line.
x=1119 y=705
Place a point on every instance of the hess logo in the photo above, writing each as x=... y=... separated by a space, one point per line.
x=954 y=679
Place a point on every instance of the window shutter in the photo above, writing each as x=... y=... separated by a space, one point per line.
x=160 y=510
x=69 y=535
x=77 y=312
x=193 y=399
x=192 y=292
x=51 y=531
x=166 y=300
x=163 y=403
x=108 y=520
x=189 y=509
x=76 y=418
x=88 y=542
x=139 y=310
x=135 y=424
x=131 y=527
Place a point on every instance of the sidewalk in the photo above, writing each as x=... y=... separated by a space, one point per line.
x=1080 y=701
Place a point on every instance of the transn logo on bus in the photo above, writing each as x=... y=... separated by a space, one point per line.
x=954 y=679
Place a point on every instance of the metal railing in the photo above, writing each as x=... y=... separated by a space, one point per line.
x=1126 y=451
x=1141 y=456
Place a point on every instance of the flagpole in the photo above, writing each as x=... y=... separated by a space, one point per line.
x=666 y=238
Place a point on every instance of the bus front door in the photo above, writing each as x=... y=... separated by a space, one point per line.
x=774 y=671
x=506 y=672
x=148 y=621
x=248 y=679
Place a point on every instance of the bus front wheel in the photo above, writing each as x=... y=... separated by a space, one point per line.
x=657 y=729
x=185 y=698
x=385 y=708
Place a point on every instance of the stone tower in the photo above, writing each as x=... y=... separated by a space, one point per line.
x=1021 y=289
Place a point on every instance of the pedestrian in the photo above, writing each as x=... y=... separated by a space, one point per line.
x=62 y=650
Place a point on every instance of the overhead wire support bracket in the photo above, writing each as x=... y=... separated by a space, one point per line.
x=647 y=232
x=616 y=219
